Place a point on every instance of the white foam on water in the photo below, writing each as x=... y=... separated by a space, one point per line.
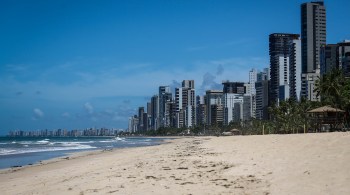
x=46 y=149
x=67 y=143
x=45 y=141
x=119 y=139
x=109 y=141
x=6 y=151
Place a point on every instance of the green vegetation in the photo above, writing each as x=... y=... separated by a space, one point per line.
x=334 y=89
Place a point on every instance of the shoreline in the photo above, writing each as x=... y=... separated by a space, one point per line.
x=76 y=154
x=262 y=164
x=35 y=156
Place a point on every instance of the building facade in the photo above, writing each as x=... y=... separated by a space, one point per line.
x=185 y=101
x=262 y=99
x=213 y=101
x=313 y=34
x=165 y=97
x=295 y=69
x=279 y=44
x=229 y=101
x=155 y=113
x=313 y=37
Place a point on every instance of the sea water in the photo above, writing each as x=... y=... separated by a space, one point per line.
x=20 y=151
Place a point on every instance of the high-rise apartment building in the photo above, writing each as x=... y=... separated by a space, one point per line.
x=133 y=124
x=229 y=101
x=329 y=58
x=213 y=101
x=295 y=69
x=335 y=56
x=313 y=37
x=248 y=107
x=262 y=94
x=185 y=102
x=279 y=44
x=154 y=113
x=253 y=77
x=262 y=99
x=141 y=111
x=165 y=97
x=201 y=111
x=233 y=87
x=188 y=84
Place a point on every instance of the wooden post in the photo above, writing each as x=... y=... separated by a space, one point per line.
x=263 y=130
x=304 y=129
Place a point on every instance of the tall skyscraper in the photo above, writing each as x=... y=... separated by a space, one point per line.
x=201 y=111
x=262 y=99
x=262 y=94
x=141 y=118
x=333 y=56
x=233 y=87
x=313 y=35
x=279 y=44
x=155 y=112
x=165 y=97
x=185 y=101
x=229 y=101
x=213 y=102
x=329 y=58
x=252 y=79
x=295 y=69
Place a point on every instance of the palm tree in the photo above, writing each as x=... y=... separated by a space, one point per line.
x=329 y=87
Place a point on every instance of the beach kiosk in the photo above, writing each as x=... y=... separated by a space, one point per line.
x=327 y=118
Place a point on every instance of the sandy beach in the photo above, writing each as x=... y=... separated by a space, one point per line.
x=270 y=164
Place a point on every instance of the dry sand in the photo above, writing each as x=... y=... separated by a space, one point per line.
x=271 y=164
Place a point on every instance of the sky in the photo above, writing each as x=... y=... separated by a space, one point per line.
x=88 y=63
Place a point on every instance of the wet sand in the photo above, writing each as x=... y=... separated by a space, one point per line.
x=270 y=164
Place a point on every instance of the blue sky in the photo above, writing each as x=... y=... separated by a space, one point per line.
x=79 y=64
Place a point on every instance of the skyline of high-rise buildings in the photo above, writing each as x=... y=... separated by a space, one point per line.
x=296 y=62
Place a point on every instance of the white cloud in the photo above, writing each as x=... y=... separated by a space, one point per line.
x=89 y=108
x=38 y=114
x=142 y=82
x=108 y=82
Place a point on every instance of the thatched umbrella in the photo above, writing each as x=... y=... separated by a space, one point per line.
x=325 y=109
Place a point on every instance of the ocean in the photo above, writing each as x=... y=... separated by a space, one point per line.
x=20 y=151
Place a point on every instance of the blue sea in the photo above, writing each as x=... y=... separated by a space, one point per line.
x=20 y=151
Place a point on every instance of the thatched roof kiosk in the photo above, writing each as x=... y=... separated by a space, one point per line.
x=327 y=116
